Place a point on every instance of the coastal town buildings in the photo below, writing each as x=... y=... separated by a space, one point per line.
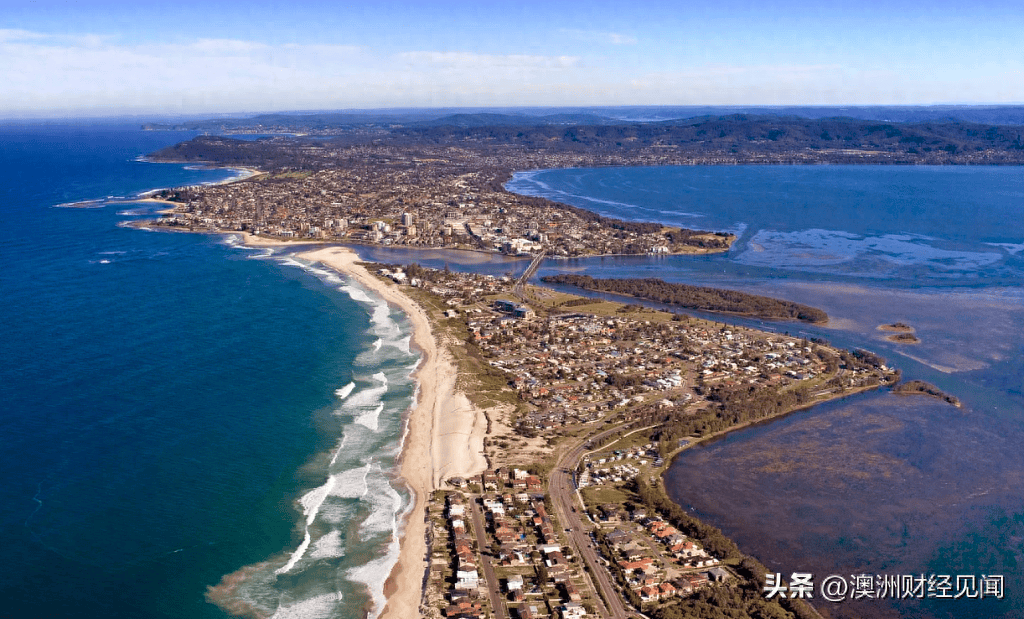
x=499 y=549
x=444 y=197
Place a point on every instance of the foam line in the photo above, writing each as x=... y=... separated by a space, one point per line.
x=319 y=607
x=370 y=419
x=357 y=294
x=351 y=484
x=311 y=502
x=367 y=397
x=324 y=275
x=373 y=575
x=337 y=451
x=329 y=546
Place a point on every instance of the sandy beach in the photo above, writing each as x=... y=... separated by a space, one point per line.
x=445 y=432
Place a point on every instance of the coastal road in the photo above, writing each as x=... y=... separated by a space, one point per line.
x=493 y=586
x=563 y=499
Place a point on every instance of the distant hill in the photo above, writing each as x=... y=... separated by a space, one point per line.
x=744 y=133
x=982 y=114
x=513 y=120
x=738 y=138
x=337 y=122
x=314 y=123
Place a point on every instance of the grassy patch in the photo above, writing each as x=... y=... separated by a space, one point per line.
x=599 y=495
x=484 y=385
x=633 y=440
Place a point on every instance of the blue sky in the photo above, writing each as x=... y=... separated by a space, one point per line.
x=65 y=58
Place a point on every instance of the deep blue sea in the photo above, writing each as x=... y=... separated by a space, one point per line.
x=179 y=413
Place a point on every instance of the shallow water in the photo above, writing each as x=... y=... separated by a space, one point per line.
x=877 y=483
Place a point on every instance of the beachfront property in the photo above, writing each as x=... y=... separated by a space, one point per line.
x=532 y=569
x=560 y=369
x=516 y=544
x=496 y=547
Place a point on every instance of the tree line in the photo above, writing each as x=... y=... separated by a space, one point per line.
x=696 y=297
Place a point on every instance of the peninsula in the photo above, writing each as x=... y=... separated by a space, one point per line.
x=920 y=387
x=579 y=393
x=545 y=419
x=439 y=184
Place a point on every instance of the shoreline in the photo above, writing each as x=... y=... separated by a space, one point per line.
x=264 y=240
x=443 y=437
x=244 y=173
x=430 y=454
x=424 y=440
x=403 y=587
x=670 y=458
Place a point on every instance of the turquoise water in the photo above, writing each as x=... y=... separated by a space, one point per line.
x=171 y=404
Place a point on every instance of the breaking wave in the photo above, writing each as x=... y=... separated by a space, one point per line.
x=344 y=391
x=348 y=522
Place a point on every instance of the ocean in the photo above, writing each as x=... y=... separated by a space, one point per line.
x=192 y=428
x=181 y=413
x=876 y=484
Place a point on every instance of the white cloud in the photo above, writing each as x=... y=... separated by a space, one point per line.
x=225 y=46
x=596 y=36
x=45 y=75
x=19 y=35
x=59 y=74
x=27 y=36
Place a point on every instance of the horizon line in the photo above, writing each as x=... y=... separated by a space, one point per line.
x=98 y=116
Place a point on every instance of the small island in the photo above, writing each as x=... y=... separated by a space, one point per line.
x=902 y=333
x=899 y=327
x=920 y=387
x=904 y=338
x=699 y=298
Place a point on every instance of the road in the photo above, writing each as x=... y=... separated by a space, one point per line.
x=493 y=586
x=563 y=498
